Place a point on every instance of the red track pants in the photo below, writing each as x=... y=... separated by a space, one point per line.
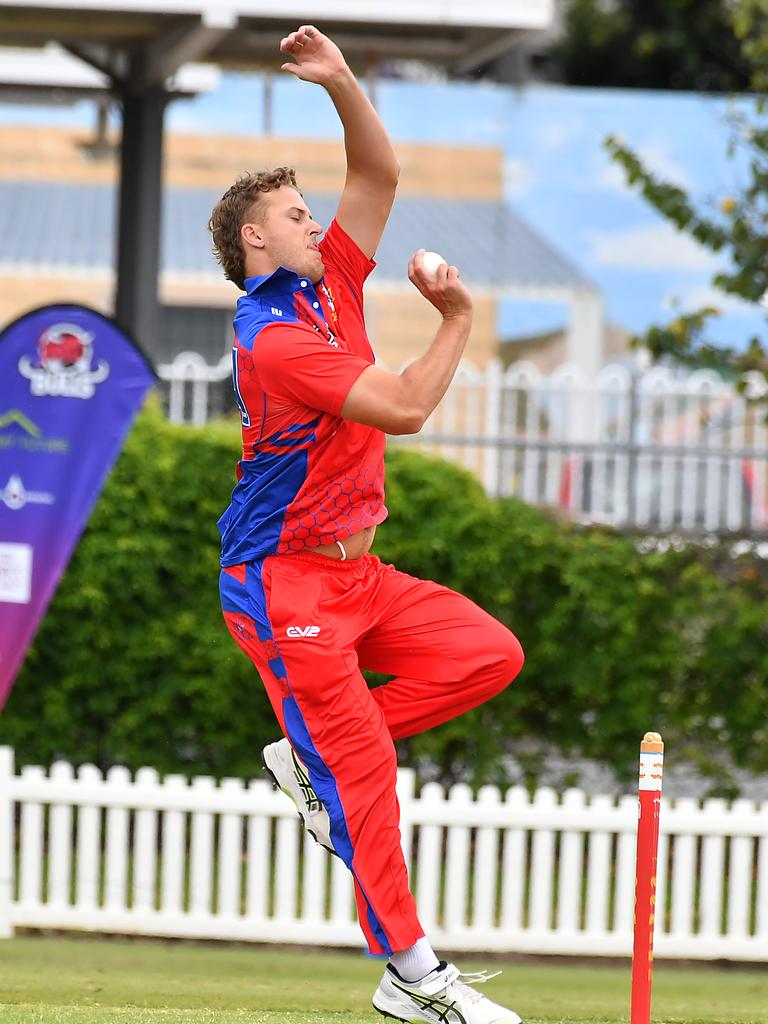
x=310 y=623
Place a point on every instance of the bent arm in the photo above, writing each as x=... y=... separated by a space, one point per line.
x=401 y=403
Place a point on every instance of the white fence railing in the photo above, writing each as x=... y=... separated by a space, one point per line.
x=507 y=872
x=659 y=450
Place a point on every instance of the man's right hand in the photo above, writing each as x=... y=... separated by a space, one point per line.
x=443 y=289
x=317 y=58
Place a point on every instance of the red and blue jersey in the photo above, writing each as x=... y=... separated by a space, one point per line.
x=307 y=476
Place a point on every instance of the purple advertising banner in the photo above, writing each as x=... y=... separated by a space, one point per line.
x=71 y=383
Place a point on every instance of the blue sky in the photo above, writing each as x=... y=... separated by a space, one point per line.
x=557 y=174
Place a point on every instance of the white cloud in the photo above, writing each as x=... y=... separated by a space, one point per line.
x=487 y=127
x=656 y=247
x=518 y=178
x=553 y=135
x=690 y=299
x=656 y=158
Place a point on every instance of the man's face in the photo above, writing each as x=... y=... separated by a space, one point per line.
x=289 y=234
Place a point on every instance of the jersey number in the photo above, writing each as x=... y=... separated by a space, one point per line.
x=238 y=396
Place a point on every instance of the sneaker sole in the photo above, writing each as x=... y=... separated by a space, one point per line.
x=394 y=1016
x=407 y=1020
x=391 y=1016
x=300 y=816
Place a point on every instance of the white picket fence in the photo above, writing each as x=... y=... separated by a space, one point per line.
x=657 y=449
x=545 y=874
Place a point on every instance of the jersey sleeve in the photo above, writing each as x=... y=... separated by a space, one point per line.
x=344 y=256
x=296 y=364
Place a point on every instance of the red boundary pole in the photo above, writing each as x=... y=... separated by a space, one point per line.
x=649 y=802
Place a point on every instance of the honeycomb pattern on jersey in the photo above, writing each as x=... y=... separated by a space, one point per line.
x=328 y=508
x=332 y=508
x=245 y=375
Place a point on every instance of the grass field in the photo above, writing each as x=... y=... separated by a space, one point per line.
x=87 y=981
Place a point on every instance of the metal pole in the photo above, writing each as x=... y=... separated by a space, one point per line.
x=372 y=67
x=140 y=211
x=267 y=103
x=632 y=452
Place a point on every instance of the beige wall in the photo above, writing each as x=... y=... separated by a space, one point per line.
x=21 y=292
x=401 y=323
x=548 y=351
x=57 y=154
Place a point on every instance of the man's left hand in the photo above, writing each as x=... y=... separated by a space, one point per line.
x=317 y=57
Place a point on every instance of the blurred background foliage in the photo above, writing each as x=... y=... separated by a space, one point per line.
x=735 y=226
x=653 y=44
x=133 y=664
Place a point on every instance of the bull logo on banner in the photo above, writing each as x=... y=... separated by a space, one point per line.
x=63 y=365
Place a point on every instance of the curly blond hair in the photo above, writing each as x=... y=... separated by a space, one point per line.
x=234 y=208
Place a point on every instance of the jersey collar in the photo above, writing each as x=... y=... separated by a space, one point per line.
x=279 y=282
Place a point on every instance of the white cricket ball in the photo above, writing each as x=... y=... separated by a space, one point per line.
x=432 y=261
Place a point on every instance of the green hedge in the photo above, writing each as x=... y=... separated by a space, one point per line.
x=133 y=663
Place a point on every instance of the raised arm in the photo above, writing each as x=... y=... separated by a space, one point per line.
x=372 y=167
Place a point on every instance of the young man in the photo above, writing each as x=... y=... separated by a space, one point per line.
x=301 y=594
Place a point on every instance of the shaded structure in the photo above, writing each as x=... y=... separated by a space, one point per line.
x=140 y=44
x=501 y=256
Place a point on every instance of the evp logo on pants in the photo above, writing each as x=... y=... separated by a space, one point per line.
x=302 y=632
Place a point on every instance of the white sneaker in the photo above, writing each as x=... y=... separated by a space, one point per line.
x=443 y=997
x=291 y=776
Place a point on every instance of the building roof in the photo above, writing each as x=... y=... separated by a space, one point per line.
x=241 y=32
x=58 y=228
x=26 y=73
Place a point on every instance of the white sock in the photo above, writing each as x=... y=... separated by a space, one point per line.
x=416 y=962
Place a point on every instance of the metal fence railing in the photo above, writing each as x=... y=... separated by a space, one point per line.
x=659 y=450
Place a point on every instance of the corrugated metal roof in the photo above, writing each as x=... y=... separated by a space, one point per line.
x=72 y=226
